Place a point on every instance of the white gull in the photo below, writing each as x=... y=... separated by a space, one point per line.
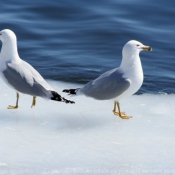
x=20 y=75
x=120 y=82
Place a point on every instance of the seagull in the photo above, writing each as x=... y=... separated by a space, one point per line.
x=117 y=83
x=20 y=75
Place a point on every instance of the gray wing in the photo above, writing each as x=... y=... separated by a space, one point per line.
x=24 y=78
x=107 y=86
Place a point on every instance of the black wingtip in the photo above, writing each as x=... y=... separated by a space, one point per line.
x=58 y=97
x=71 y=91
x=68 y=101
x=66 y=90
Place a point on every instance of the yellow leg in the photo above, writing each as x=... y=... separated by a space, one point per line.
x=15 y=107
x=119 y=113
x=33 y=102
x=115 y=112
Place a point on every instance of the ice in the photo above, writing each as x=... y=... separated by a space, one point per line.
x=86 y=138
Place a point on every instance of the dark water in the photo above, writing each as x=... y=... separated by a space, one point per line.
x=77 y=40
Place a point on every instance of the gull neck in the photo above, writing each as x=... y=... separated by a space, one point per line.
x=9 y=50
x=130 y=61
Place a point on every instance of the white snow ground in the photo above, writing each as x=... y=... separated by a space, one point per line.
x=86 y=138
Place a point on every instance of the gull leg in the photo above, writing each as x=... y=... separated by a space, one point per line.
x=33 y=102
x=123 y=116
x=15 y=107
x=115 y=112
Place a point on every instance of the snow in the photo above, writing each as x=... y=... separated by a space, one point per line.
x=86 y=138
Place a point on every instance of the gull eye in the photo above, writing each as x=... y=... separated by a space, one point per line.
x=138 y=45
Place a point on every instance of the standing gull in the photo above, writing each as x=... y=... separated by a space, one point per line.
x=20 y=75
x=120 y=82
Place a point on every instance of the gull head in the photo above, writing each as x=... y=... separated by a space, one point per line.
x=9 y=49
x=7 y=36
x=134 y=47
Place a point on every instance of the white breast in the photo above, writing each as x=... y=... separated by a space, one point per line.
x=134 y=74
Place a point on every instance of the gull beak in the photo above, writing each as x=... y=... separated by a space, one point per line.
x=148 y=48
